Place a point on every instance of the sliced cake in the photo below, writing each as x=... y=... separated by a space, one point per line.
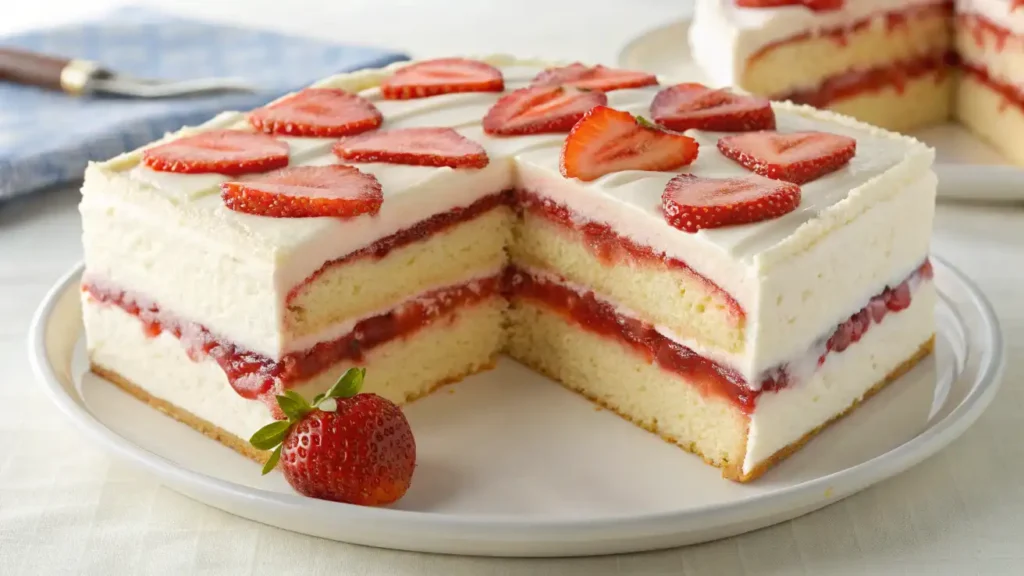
x=732 y=276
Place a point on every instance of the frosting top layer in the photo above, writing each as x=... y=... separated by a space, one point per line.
x=630 y=201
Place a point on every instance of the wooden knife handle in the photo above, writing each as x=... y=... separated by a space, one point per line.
x=22 y=67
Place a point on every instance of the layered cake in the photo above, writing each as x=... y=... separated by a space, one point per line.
x=990 y=97
x=731 y=281
x=899 y=64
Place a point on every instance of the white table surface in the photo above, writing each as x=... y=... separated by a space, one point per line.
x=66 y=507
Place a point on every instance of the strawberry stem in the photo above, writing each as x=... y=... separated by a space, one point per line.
x=295 y=408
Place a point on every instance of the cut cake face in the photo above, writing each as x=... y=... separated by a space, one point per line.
x=736 y=341
x=897 y=64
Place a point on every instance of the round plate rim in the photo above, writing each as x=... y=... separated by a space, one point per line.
x=1009 y=177
x=492 y=528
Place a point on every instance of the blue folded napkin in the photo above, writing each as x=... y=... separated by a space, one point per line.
x=47 y=138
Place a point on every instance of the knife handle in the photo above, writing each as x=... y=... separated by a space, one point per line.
x=50 y=72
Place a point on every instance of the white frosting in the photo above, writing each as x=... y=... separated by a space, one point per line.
x=724 y=36
x=998 y=11
x=781 y=418
x=226 y=264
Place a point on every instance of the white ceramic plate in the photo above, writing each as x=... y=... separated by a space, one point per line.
x=968 y=169
x=512 y=464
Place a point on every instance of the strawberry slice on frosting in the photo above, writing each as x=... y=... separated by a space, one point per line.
x=335 y=190
x=414 y=146
x=442 y=76
x=317 y=113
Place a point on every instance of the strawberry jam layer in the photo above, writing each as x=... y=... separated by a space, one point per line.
x=983 y=29
x=856 y=82
x=611 y=248
x=711 y=378
x=254 y=376
x=841 y=35
x=424 y=229
x=1012 y=95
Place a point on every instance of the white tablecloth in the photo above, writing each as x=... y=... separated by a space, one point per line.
x=66 y=507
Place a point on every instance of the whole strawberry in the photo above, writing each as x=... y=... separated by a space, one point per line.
x=345 y=446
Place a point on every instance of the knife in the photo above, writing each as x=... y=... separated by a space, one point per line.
x=85 y=77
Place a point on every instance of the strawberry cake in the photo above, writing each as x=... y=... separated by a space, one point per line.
x=899 y=64
x=731 y=278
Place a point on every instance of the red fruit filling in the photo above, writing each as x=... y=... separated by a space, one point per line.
x=255 y=376
x=841 y=34
x=600 y=317
x=891 y=300
x=615 y=250
x=1012 y=95
x=854 y=83
x=423 y=229
x=982 y=29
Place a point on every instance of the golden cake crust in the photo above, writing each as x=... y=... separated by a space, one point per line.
x=219 y=434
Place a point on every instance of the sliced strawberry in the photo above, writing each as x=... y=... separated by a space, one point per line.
x=1014 y=4
x=815 y=5
x=414 y=146
x=594 y=78
x=798 y=157
x=317 y=113
x=608 y=140
x=306 y=192
x=685 y=106
x=230 y=152
x=540 y=110
x=691 y=203
x=442 y=76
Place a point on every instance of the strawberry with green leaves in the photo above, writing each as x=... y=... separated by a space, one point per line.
x=343 y=446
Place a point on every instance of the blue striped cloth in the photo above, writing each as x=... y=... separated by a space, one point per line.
x=47 y=138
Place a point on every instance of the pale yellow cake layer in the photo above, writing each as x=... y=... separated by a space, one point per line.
x=370 y=285
x=461 y=343
x=662 y=296
x=466 y=341
x=806 y=63
x=1000 y=54
x=991 y=117
x=921 y=102
x=611 y=374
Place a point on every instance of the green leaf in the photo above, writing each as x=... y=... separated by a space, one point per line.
x=293 y=404
x=348 y=385
x=318 y=399
x=270 y=435
x=647 y=123
x=275 y=456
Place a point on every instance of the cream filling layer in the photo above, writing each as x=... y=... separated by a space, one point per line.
x=783 y=417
